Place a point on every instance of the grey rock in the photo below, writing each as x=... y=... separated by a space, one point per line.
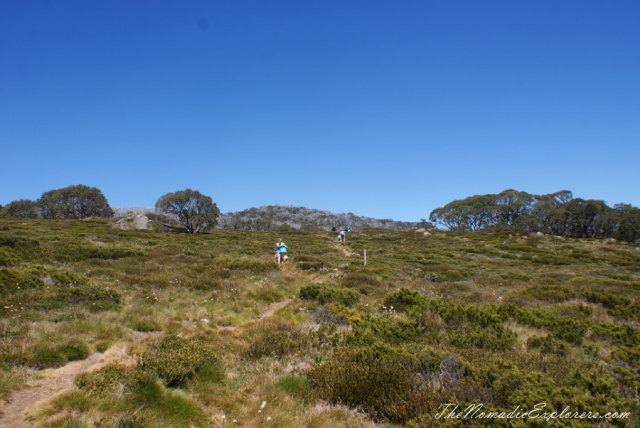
x=421 y=230
x=133 y=221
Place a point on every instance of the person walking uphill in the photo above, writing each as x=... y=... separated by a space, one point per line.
x=281 y=251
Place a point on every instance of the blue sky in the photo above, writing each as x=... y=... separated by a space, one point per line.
x=384 y=109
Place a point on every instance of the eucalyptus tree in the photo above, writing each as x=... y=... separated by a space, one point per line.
x=195 y=211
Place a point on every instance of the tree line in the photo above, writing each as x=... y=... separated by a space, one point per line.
x=71 y=202
x=558 y=214
x=195 y=212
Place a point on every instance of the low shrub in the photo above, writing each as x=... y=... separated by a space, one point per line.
x=360 y=280
x=253 y=265
x=547 y=345
x=295 y=386
x=109 y=379
x=327 y=294
x=404 y=298
x=552 y=293
x=309 y=265
x=389 y=327
x=376 y=381
x=277 y=341
x=175 y=360
x=607 y=299
x=42 y=356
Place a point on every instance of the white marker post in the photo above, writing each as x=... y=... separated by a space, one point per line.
x=365 y=257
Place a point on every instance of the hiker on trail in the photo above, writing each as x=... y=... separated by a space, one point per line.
x=281 y=251
x=333 y=229
x=347 y=228
x=342 y=236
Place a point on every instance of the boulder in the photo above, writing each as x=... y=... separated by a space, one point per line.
x=133 y=221
x=610 y=240
x=421 y=230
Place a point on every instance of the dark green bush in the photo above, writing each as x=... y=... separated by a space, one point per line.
x=175 y=360
x=329 y=294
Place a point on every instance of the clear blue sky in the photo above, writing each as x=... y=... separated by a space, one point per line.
x=380 y=108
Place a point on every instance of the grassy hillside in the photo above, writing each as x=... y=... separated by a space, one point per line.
x=212 y=329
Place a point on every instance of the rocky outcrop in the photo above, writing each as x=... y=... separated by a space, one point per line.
x=133 y=221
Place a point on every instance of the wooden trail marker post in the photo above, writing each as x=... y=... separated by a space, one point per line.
x=365 y=257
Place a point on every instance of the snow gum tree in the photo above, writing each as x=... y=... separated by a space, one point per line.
x=194 y=210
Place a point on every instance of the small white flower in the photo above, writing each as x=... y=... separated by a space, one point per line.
x=268 y=418
x=264 y=403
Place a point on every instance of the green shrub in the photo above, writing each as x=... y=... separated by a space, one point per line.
x=607 y=299
x=376 y=381
x=73 y=252
x=176 y=360
x=546 y=259
x=173 y=408
x=389 y=327
x=8 y=257
x=327 y=293
x=404 y=298
x=309 y=265
x=295 y=386
x=360 y=280
x=74 y=350
x=143 y=324
x=277 y=341
x=211 y=373
x=547 y=345
x=553 y=293
x=88 y=293
x=13 y=280
x=106 y=380
x=253 y=265
x=102 y=345
x=493 y=337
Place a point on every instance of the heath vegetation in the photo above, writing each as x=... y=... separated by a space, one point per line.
x=215 y=333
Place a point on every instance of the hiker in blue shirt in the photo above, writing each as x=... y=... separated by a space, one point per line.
x=281 y=251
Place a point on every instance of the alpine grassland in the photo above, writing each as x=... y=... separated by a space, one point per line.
x=206 y=330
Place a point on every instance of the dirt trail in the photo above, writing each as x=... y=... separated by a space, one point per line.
x=18 y=409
